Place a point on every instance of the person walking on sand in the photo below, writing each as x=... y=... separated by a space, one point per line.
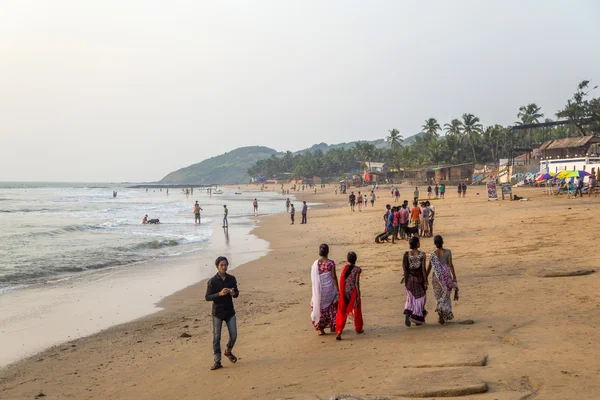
x=221 y=290
x=197 y=210
x=304 y=212
x=366 y=199
x=325 y=290
x=442 y=190
x=459 y=190
x=592 y=186
x=350 y=303
x=396 y=195
x=464 y=189
x=255 y=205
x=292 y=213
x=429 y=190
x=415 y=284
x=443 y=280
x=416 y=195
x=359 y=200
x=436 y=190
x=352 y=200
x=372 y=199
x=287 y=205
x=226 y=213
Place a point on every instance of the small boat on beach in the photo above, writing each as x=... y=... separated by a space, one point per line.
x=238 y=192
x=217 y=192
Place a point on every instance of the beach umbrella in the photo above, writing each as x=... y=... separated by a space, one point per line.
x=545 y=177
x=572 y=174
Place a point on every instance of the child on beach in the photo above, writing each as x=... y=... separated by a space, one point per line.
x=221 y=290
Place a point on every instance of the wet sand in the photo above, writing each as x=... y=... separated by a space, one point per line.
x=532 y=334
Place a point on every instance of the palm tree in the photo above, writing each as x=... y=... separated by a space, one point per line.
x=471 y=128
x=431 y=128
x=395 y=139
x=529 y=114
x=453 y=128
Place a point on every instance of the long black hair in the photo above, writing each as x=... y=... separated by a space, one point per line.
x=324 y=250
x=352 y=261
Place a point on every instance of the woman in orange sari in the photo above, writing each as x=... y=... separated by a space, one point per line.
x=349 y=300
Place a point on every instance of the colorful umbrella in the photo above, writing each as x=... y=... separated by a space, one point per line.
x=572 y=174
x=545 y=177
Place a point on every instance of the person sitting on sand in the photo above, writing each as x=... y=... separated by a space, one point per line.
x=221 y=290
x=443 y=279
x=145 y=219
x=415 y=283
x=349 y=297
x=325 y=289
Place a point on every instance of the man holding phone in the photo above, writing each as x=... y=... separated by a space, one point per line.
x=221 y=290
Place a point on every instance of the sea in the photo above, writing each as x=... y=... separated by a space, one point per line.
x=51 y=232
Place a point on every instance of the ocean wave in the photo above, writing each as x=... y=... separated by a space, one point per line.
x=25 y=210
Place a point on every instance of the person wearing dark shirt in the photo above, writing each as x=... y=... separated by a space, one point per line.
x=221 y=290
x=292 y=213
x=304 y=211
x=352 y=200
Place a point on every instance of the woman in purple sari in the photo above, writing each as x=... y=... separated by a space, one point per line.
x=443 y=280
x=415 y=284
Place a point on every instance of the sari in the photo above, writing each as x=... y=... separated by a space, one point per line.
x=324 y=302
x=443 y=284
x=349 y=304
x=414 y=285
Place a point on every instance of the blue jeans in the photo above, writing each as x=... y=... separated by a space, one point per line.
x=231 y=327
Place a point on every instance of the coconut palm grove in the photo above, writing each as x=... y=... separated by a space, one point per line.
x=461 y=140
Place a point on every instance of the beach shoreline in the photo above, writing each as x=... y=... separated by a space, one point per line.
x=524 y=345
x=39 y=316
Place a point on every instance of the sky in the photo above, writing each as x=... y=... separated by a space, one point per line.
x=112 y=90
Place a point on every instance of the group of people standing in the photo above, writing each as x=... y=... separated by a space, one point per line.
x=400 y=222
x=289 y=208
x=359 y=200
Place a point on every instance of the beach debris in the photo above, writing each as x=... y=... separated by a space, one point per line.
x=186 y=326
x=467 y=322
x=185 y=335
x=41 y=394
x=549 y=273
x=479 y=362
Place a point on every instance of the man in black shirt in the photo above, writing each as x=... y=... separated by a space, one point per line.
x=221 y=290
x=352 y=200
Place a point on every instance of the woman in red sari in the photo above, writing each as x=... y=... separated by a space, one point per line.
x=349 y=300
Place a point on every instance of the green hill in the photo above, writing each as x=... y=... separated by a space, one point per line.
x=228 y=168
x=232 y=167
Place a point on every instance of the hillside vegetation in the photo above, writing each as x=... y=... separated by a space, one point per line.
x=228 y=168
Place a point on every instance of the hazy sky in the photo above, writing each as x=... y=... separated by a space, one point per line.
x=131 y=90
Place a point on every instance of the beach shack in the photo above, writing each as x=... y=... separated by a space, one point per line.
x=578 y=153
x=453 y=174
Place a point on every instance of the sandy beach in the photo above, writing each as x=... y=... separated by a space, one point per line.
x=533 y=332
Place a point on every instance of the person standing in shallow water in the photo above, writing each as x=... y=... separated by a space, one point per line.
x=443 y=280
x=415 y=284
x=221 y=290
x=350 y=303
x=325 y=291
